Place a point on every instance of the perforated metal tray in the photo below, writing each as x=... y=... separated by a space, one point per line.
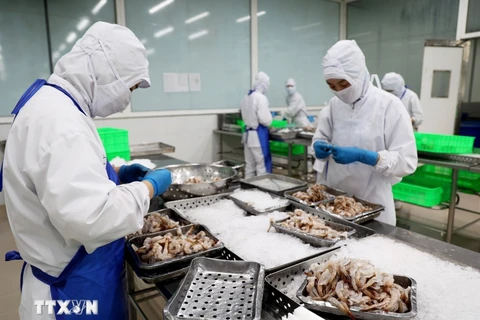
x=219 y=289
x=361 y=218
x=171 y=264
x=330 y=192
x=253 y=183
x=187 y=204
x=251 y=209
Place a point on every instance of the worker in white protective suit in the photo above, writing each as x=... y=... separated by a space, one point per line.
x=296 y=109
x=364 y=134
x=394 y=83
x=257 y=118
x=67 y=213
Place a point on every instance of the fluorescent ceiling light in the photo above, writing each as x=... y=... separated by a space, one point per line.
x=197 y=17
x=197 y=34
x=144 y=41
x=307 y=26
x=56 y=55
x=150 y=52
x=62 y=47
x=161 y=33
x=84 y=22
x=246 y=18
x=160 y=6
x=99 y=6
x=71 y=37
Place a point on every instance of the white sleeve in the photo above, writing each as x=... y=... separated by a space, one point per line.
x=295 y=105
x=400 y=157
x=263 y=113
x=82 y=203
x=325 y=126
x=416 y=107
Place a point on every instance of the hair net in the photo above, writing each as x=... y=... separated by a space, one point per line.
x=262 y=82
x=290 y=82
x=106 y=54
x=394 y=82
x=345 y=60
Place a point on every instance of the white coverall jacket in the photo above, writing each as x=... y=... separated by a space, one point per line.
x=395 y=83
x=57 y=192
x=255 y=112
x=377 y=122
x=296 y=107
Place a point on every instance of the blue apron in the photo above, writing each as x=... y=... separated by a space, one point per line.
x=264 y=137
x=97 y=276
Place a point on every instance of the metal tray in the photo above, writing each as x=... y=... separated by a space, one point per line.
x=218 y=289
x=147 y=149
x=171 y=264
x=361 y=218
x=282 y=136
x=331 y=192
x=250 y=209
x=152 y=278
x=323 y=306
x=306 y=135
x=310 y=239
x=172 y=214
x=252 y=183
x=282 y=284
x=187 y=204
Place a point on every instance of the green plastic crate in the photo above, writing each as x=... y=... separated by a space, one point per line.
x=115 y=142
x=422 y=181
x=419 y=195
x=431 y=142
x=281 y=148
x=466 y=180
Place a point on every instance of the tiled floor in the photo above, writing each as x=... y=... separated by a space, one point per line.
x=417 y=219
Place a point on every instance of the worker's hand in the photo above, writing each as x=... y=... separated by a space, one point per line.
x=347 y=155
x=160 y=180
x=322 y=149
x=132 y=173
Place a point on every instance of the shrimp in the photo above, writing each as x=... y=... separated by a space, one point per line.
x=341 y=306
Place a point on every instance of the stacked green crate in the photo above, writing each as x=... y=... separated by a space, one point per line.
x=115 y=142
x=439 y=143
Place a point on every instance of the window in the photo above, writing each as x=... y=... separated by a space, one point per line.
x=440 y=84
x=473 y=21
x=392 y=33
x=68 y=21
x=192 y=37
x=23 y=49
x=293 y=38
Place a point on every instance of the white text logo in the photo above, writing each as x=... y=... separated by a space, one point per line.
x=67 y=307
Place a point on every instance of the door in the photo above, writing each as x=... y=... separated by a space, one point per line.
x=440 y=90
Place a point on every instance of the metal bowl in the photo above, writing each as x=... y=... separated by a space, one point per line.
x=207 y=172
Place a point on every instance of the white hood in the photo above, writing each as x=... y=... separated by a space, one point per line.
x=262 y=82
x=394 y=82
x=108 y=60
x=345 y=60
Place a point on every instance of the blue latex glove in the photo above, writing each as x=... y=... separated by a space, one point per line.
x=322 y=149
x=132 y=173
x=160 y=180
x=347 y=155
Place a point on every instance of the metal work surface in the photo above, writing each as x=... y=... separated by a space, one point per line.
x=216 y=289
x=147 y=149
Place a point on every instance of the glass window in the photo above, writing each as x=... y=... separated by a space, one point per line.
x=200 y=37
x=440 y=84
x=473 y=22
x=392 y=33
x=293 y=38
x=68 y=21
x=23 y=49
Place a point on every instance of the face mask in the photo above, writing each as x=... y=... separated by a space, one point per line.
x=110 y=99
x=350 y=94
x=290 y=90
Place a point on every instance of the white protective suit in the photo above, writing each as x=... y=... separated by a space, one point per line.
x=296 y=108
x=394 y=82
x=377 y=121
x=57 y=192
x=254 y=109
